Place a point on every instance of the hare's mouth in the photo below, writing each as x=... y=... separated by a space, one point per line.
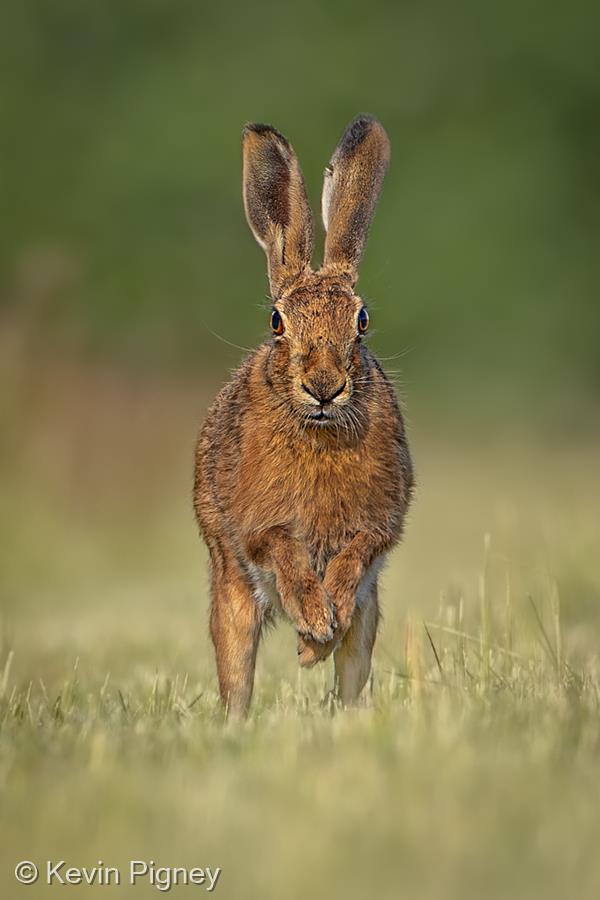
x=320 y=417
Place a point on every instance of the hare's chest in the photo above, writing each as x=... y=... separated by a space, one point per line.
x=329 y=501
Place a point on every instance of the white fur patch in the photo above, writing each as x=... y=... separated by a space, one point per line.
x=264 y=587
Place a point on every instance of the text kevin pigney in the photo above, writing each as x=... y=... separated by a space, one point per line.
x=161 y=877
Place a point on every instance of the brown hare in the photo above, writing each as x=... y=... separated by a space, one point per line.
x=303 y=474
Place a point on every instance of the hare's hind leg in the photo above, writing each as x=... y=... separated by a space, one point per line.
x=353 y=656
x=235 y=624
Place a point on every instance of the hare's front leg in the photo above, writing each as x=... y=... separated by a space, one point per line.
x=235 y=625
x=349 y=579
x=303 y=596
x=352 y=657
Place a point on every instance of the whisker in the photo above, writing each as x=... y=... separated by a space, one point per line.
x=225 y=341
x=400 y=355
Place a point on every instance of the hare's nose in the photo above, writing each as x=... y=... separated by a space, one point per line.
x=323 y=390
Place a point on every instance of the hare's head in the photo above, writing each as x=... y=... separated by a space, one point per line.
x=316 y=365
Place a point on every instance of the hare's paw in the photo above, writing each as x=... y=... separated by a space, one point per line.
x=347 y=605
x=310 y=652
x=344 y=603
x=342 y=590
x=318 y=614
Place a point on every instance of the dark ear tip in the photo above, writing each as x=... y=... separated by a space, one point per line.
x=262 y=130
x=358 y=129
x=257 y=127
x=364 y=119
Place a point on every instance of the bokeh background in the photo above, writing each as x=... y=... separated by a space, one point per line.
x=129 y=286
x=123 y=231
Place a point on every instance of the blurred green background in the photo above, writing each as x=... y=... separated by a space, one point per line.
x=123 y=231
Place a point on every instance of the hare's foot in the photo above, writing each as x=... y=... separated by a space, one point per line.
x=302 y=594
x=310 y=652
x=318 y=619
x=341 y=585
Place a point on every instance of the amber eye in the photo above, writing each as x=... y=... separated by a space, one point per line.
x=276 y=323
x=363 y=321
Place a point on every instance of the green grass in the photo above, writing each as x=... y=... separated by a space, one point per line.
x=472 y=768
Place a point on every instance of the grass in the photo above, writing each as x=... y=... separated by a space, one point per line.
x=471 y=769
x=464 y=774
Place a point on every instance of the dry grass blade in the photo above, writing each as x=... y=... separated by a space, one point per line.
x=195 y=700
x=456 y=632
x=545 y=639
x=6 y=673
x=435 y=653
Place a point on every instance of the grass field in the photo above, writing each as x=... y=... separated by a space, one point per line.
x=472 y=768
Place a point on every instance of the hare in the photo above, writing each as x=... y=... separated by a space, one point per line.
x=303 y=474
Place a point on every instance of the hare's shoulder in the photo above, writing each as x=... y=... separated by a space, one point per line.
x=383 y=395
x=223 y=420
x=218 y=446
x=390 y=433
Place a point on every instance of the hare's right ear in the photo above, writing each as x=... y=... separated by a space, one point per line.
x=276 y=204
x=353 y=180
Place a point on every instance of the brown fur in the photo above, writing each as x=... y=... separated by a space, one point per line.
x=303 y=474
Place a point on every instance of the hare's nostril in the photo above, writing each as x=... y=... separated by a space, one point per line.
x=312 y=393
x=323 y=393
x=337 y=392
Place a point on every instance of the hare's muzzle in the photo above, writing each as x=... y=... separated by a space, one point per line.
x=324 y=390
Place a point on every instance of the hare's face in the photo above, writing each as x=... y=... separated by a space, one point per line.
x=316 y=361
x=315 y=364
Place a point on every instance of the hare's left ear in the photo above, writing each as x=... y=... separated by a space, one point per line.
x=276 y=204
x=353 y=181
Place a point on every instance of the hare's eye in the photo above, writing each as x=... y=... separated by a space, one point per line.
x=363 y=321
x=276 y=323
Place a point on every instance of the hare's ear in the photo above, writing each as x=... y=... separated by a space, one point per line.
x=276 y=205
x=353 y=180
